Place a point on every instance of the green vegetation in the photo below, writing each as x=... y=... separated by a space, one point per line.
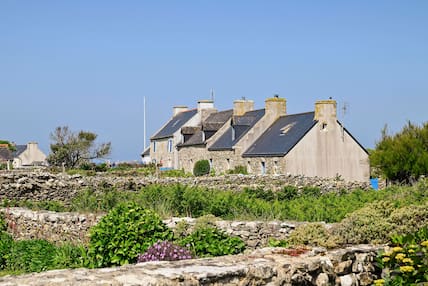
x=210 y=241
x=201 y=168
x=406 y=263
x=126 y=231
x=238 y=170
x=402 y=157
x=75 y=149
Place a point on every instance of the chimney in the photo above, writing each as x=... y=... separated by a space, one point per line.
x=241 y=106
x=325 y=110
x=178 y=109
x=205 y=108
x=32 y=146
x=275 y=107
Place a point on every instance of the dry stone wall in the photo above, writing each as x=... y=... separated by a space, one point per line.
x=40 y=186
x=270 y=266
x=74 y=227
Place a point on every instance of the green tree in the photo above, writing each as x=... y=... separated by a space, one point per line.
x=75 y=148
x=403 y=156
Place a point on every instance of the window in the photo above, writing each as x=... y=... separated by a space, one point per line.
x=211 y=163
x=275 y=168
x=169 y=145
x=249 y=166
x=228 y=163
x=263 y=168
x=154 y=146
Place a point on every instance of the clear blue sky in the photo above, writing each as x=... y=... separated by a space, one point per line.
x=88 y=64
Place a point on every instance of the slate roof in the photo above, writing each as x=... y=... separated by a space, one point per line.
x=240 y=125
x=211 y=125
x=282 y=135
x=174 y=124
x=19 y=150
x=5 y=154
x=146 y=152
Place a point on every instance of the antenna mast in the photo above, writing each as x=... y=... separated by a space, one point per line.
x=212 y=94
x=144 y=123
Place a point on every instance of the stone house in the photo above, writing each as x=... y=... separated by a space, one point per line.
x=23 y=155
x=28 y=155
x=270 y=141
x=163 y=144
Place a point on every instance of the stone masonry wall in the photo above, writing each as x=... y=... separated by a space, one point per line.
x=270 y=266
x=42 y=186
x=74 y=227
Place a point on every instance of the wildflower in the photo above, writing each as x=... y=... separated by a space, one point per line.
x=387 y=253
x=397 y=249
x=400 y=256
x=379 y=282
x=425 y=243
x=411 y=251
x=408 y=260
x=385 y=259
x=407 y=269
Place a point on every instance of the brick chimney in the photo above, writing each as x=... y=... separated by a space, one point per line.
x=325 y=110
x=241 y=106
x=275 y=107
x=178 y=109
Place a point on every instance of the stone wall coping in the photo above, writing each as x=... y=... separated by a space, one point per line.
x=268 y=266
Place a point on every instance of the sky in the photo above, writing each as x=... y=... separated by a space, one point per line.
x=89 y=65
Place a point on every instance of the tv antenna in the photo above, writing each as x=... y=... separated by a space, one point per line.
x=212 y=94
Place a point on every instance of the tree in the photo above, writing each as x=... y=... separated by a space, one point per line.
x=74 y=149
x=404 y=156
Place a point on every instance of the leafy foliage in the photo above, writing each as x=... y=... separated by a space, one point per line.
x=201 y=168
x=205 y=242
x=314 y=234
x=238 y=170
x=123 y=233
x=164 y=251
x=407 y=262
x=378 y=221
x=74 y=149
x=402 y=157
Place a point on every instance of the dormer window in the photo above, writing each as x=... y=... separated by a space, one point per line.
x=233 y=133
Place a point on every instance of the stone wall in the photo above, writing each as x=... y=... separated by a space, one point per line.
x=41 y=186
x=74 y=227
x=270 y=266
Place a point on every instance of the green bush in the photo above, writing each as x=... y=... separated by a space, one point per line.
x=6 y=242
x=206 y=242
x=30 y=256
x=238 y=170
x=378 y=221
x=201 y=168
x=313 y=234
x=407 y=262
x=369 y=224
x=123 y=233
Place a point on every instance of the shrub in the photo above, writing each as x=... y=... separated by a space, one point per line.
x=205 y=242
x=6 y=242
x=238 y=170
x=30 y=256
x=164 y=251
x=407 y=262
x=367 y=225
x=377 y=221
x=409 y=219
x=123 y=233
x=202 y=167
x=314 y=234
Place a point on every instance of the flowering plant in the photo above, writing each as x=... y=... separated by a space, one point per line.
x=164 y=251
x=406 y=263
